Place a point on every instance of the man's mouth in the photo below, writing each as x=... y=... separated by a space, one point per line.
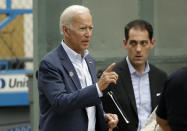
x=138 y=57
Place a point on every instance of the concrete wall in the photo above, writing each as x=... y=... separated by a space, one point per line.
x=13 y=118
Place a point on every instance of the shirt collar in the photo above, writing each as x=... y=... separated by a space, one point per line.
x=72 y=54
x=132 y=70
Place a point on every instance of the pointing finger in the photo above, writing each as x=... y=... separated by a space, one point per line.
x=109 y=68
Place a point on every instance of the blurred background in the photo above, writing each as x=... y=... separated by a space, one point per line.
x=30 y=28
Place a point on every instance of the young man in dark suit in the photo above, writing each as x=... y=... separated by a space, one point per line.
x=139 y=83
x=69 y=93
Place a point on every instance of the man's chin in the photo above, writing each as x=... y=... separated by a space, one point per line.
x=85 y=47
x=139 y=63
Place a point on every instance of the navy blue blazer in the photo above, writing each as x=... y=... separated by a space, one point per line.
x=61 y=98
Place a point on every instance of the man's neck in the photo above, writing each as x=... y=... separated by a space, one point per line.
x=140 y=68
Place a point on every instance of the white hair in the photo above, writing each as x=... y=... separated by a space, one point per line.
x=68 y=13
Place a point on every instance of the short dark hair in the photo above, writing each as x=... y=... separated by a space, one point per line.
x=139 y=24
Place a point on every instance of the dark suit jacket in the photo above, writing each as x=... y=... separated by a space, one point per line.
x=62 y=100
x=124 y=94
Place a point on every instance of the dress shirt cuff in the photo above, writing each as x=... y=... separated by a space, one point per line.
x=98 y=91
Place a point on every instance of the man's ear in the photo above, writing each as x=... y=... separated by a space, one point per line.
x=65 y=30
x=153 y=41
x=124 y=43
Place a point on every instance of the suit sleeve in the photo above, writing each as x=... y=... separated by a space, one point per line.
x=58 y=91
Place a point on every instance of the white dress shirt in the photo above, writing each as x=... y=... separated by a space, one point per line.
x=85 y=79
x=142 y=93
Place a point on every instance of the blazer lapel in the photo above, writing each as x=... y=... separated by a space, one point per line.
x=128 y=84
x=153 y=88
x=68 y=66
x=91 y=68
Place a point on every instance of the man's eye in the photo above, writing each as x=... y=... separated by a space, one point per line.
x=82 y=28
x=91 y=28
x=133 y=43
x=144 y=43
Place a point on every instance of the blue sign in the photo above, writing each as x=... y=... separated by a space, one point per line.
x=13 y=89
x=2 y=81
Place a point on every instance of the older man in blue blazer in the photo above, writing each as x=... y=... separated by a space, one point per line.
x=69 y=93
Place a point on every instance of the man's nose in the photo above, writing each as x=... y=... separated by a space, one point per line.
x=138 y=48
x=88 y=32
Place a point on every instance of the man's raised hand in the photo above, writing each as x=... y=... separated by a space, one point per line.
x=107 y=77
